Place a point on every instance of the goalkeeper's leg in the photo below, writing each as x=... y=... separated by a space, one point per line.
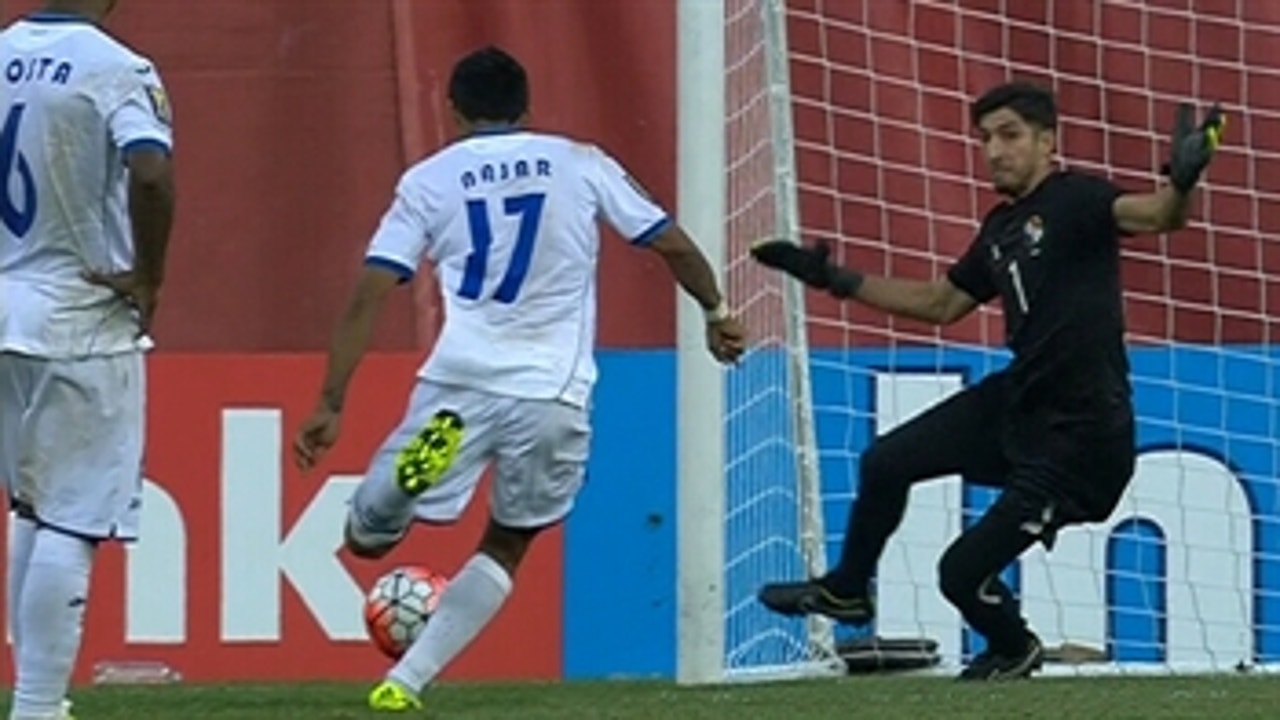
x=958 y=435
x=968 y=576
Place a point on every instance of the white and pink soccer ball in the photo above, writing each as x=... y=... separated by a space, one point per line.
x=399 y=605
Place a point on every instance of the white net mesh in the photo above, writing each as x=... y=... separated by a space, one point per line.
x=772 y=528
x=1187 y=573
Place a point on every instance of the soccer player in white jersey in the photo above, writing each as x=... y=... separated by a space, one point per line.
x=85 y=211
x=509 y=220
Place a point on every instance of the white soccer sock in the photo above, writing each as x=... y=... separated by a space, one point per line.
x=22 y=538
x=471 y=600
x=50 y=613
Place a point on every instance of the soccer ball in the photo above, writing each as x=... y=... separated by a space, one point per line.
x=399 y=605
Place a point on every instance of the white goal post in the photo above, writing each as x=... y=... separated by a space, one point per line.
x=700 y=394
x=726 y=203
x=848 y=120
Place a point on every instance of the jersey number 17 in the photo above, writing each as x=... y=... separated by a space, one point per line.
x=529 y=210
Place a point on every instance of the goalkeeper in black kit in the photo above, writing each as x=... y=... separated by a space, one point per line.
x=1055 y=429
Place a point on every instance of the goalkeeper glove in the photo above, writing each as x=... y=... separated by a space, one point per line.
x=810 y=265
x=1192 y=148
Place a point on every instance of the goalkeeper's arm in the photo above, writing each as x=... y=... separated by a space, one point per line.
x=1190 y=152
x=934 y=301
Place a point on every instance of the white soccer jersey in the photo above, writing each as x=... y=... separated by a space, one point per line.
x=74 y=99
x=510 y=222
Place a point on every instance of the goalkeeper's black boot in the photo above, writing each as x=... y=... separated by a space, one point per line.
x=811 y=597
x=994 y=666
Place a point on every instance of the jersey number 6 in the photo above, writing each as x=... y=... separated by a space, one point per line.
x=17 y=219
x=529 y=209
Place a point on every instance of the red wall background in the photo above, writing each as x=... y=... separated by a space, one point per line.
x=294 y=119
x=887 y=163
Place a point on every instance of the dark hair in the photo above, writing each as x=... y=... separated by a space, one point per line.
x=1033 y=103
x=491 y=85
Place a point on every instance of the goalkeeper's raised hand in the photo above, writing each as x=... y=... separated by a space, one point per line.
x=810 y=265
x=1193 y=147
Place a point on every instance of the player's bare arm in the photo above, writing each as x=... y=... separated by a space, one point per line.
x=726 y=338
x=933 y=301
x=350 y=341
x=355 y=327
x=1162 y=211
x=151 y=207
x=1190 y=152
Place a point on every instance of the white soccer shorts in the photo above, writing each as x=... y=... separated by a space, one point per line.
x=71 y=441
x=448 y=437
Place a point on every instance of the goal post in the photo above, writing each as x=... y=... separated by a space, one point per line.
x=749 y=505
x=847 y=120
x=700 y=456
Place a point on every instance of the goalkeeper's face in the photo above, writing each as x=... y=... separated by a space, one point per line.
x=1018 y=153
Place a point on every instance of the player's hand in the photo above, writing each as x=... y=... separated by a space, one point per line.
x=316 y=435
x=1193 y=147
x=143 y=296
x=809 y=265
x=727 y=340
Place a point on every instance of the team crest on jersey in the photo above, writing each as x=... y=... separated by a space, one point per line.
x=1034 y=232
x=160 y=104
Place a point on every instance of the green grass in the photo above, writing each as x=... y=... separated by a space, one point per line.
x=883 y=698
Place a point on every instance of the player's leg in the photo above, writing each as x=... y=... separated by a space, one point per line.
x=541 y=455
x=1063 y=475
x=954 y=436
x=79 y=472
x=15 y=393
x=472 y=599
x=440 y=439
x=426 y=471
x=968 y=576
x=22 y=540
x=50 y=616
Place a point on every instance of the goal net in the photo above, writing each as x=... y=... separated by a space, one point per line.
x=848 y=120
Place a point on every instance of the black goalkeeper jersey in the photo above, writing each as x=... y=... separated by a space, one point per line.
x=1053 y=258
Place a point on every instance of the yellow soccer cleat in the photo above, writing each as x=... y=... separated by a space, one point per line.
x=426 y=458
x=390 y=697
